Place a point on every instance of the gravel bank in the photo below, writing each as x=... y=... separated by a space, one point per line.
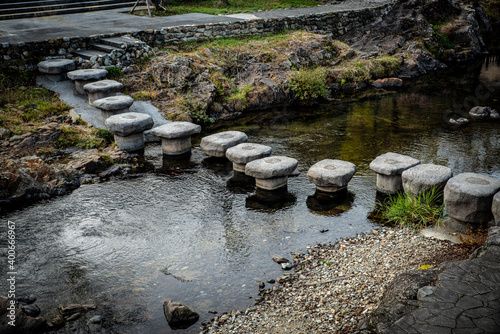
x=335 y=286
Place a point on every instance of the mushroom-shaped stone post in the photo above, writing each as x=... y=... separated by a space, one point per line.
x=113 y=105
x=176 y=137
x=55 y=69
x=331 y=175
x=101 y=89
x=128 y=130
x=424 y=177
x=389 y=167
x=271 y=173
x=468 y=197
x=217 y=144
x=242 y=154
x=83 y=77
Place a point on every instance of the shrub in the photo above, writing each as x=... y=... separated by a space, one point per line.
x=196 y=109
x=114 y=72
x=414 y=211
x=309 y=83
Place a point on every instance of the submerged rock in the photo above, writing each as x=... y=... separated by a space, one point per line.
x=178 y=315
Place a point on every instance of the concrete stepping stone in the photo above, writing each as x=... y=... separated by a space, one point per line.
x=423 y=177
x=495 y=208
x=271 y=173
x=55 y=69
x=331 y=175
x=468 y=197
x=83 y=77
x=242 y=154
x=176 y=137
x=101 y=89
x=113 y=105
x=128 y=130
x=389 y=167
x=217 y=144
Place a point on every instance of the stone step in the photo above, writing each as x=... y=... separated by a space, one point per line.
x=40 y=13
x=87 y=54
x=118 y=41
x=103 y=47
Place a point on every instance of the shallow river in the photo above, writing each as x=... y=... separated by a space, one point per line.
x=183 y=234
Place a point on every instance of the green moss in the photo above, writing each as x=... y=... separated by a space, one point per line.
x=75 y=136
x=114 y=72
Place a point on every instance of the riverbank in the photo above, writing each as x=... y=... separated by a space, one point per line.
x=335 y=286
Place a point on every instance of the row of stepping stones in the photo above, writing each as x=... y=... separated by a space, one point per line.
x=468 y=197
x=101 y=93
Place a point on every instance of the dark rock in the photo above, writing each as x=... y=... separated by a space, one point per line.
x=399 y=298
x=32 y=310
x=262 y=285
x=26 y=300
x=271 y=281
x=58 y=321
x=483 y=113
x=23 y=323
x=69 y=310
x=4 y=133
x=280 y=259
x=178 y=315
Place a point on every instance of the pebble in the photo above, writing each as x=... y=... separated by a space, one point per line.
x=334 y=286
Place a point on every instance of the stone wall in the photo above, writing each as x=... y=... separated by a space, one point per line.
x=335 y=24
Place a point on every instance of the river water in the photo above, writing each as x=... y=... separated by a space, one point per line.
x=182 y=234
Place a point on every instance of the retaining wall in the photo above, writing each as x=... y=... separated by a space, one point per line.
x=334 y=24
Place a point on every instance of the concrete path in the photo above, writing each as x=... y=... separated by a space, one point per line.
x=120 y=21
x=467 y=299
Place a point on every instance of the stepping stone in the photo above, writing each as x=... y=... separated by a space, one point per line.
x=55 y=69
x=217 y=144
x=176 y=137
x=495 y=208
x=271 y=173
x=468 y=197
x=422 y=178
x=83 y=77
x=114 y=105
x=331 y=175
x=128 y=130
x=389 y=167
x=242 y=154
x=101 y=89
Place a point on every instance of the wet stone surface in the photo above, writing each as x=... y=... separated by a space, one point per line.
x=423 y=177
x=217 y=144
x=331 y=175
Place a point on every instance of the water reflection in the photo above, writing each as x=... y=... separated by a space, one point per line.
x=240 y=182
x=270 y=200
x=336 y=203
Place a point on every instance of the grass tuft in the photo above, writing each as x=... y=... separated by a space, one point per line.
x=309 y=84
x=415 y=212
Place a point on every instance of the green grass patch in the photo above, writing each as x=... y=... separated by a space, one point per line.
x=25 y=105
x=234 y=6
x=308 y=84
x=83 y=137
x=114 y=72
x=414 y=211
x=365 y=70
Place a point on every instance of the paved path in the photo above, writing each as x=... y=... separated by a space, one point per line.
x=119 y=21
x=467 y=300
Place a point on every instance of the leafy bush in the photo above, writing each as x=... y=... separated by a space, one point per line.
x=114 y=72
x=414 y=211
x=308 y=83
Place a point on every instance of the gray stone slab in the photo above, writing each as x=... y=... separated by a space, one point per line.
x=244 y=153
x=176 y=130
x=217 y=144
x=87 y=74
x=103 y=86
x=331 y=175
x=493 y=238
x=423 y=177
x=392 y=163
x=271 y=167
x=468 y=197
x=129 y=123
x=468 y=302
x=56 y=66
x=114 y=103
